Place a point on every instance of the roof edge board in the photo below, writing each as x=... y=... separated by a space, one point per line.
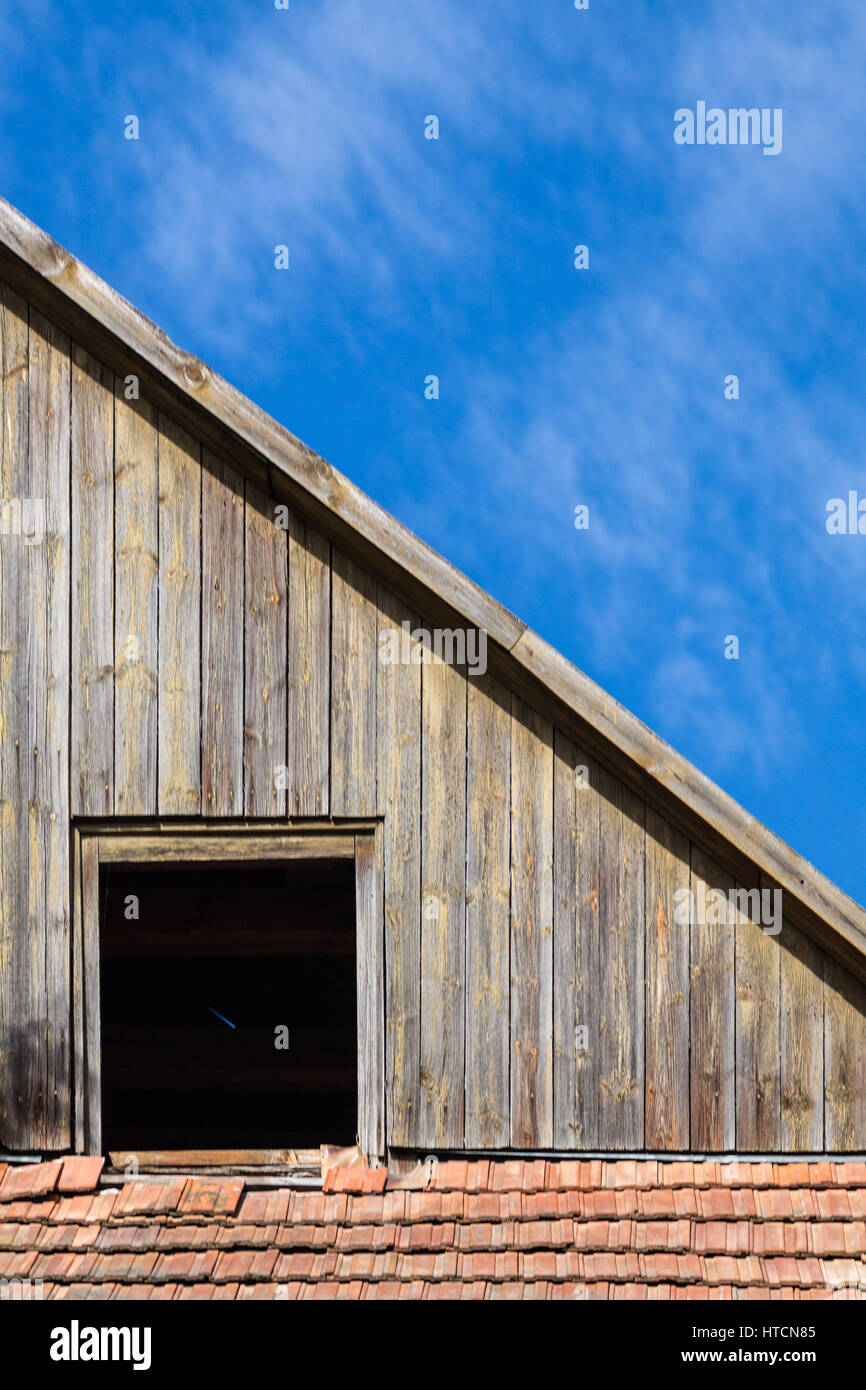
x=330 y=491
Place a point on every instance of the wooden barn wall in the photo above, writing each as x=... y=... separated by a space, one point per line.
x=167 y=648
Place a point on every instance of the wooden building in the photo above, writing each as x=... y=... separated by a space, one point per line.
x=454 y=890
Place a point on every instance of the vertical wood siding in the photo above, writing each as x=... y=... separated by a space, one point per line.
x=175 y=647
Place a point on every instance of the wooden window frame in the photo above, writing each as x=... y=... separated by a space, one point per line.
x=156 y=843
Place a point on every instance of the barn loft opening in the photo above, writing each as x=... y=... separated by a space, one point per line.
x=228 y=1006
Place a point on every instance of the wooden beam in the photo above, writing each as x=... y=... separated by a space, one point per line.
x=246 y=848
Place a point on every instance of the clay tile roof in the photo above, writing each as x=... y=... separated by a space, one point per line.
x=491 y=1229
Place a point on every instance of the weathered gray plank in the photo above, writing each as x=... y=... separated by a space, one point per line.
x=222 y=659
x=163 y=847
x=844 y=1050
x=667 y=986
x=266 y=617
x=179 y=683
x=712 y=1010
x=575 y=947
x=136 y=605
x=19 y=1037
x=92 y=730
x=443 y=901
x=620 y=1002
x=398 y=696
x=758 y=989
x=79 y=1071
x=531 y=928
x=309 y=668
x=354 y=666
x=371 y=994
x=47 y=796
x=90 y=920
x=802 y=1043
x=488 y=810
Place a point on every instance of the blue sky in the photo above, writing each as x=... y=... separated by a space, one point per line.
x=409 y=257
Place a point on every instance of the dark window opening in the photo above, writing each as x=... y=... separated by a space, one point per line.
x=220 y=966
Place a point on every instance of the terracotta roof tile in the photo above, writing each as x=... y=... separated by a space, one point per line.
x=148 y=1198
x=515 y=1229
x=29 y=1180
x=79 y=1174
x=205 y=1198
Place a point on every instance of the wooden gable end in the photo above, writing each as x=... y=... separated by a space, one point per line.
x=182 y=644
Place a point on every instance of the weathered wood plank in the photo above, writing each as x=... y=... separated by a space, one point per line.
x=667 y=986
x=309 y=668
x=47 y=795
x=488 y=892
x=90 y=932
x=758 y=991
x=844 y=1050
x=398 y=695
x=354 y=665
x=369 y=868
x=712 y=1009
x=167 y=847
x=620 y=1002
x=443 y=901
x=92 y=598
x=531 y=928
x=576 y=947
x=179 y=683
x=79 y=1071
x=136 y=589
x=222 y=660
x=19 y=1031
x=802 y=1043
x=266 y=618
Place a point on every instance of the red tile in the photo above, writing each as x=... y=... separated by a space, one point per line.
x=453 y=1175
x=425 y=1206
x=264 y=1208
x=659 y=1202
x=833 y=1203
x=856 y=1202
x=17 y=1236
x=122 y=1267
x=68 y=1237
x=100 y=1207
x=589 y=1175
x=483 y=1206
x=83 y=1209
x=850 y=1173
x=146 y=1198
x=716 y=1202
x=202 y=1197
x=599 y=1206
x=80 y=1174
x=355 y=1180
x=246 y=1265
x=540 y=1206
x=29 y=1180
x=677 y=1174
x=15 y=1264
x=189 y=1265
x=540 y=1265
